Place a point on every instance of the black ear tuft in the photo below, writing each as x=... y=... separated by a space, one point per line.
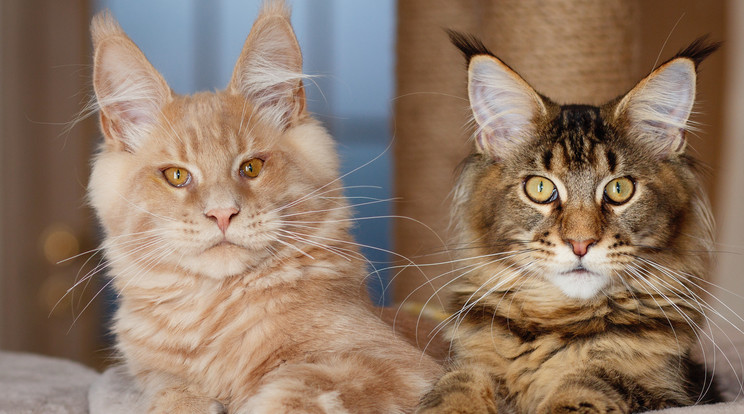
x=698 y=50
x=468 y=44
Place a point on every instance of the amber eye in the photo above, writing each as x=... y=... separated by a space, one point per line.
x=619 y=190
x=540 y=189
x=251 y=168
x=177 y=177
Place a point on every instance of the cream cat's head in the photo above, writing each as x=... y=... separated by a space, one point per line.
x=583 y=200
x=210 y=183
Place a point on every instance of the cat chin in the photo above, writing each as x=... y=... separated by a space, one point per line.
x=581 y=285
x=218 y=263
x=216 y=270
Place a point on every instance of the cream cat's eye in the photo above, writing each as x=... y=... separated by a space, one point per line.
x=540 y=189
x=251 y=168
x=619 y=190
x=177 y=177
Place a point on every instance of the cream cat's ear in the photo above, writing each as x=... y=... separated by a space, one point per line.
x=504 y=105
x=129 y=91
x=269 y=69
x=657 y=110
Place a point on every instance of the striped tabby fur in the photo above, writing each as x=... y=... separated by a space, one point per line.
x=241 y=288
x=571 y=302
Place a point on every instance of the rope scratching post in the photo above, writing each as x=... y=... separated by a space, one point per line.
x=573 y=51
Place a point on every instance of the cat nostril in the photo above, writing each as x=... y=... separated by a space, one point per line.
x=581 y=247
x=223 y=216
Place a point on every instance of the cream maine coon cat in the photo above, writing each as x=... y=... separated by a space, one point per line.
x=228 y=242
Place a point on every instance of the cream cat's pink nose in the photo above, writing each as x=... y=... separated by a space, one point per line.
x=223 y=216
x=582 y=246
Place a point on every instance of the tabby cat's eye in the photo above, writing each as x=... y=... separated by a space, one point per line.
x=177 y=177
x=540 y=189
x=619 y=190
x=251 y=168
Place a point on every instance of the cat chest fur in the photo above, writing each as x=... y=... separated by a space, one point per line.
x=229 y=334
x=528 y=363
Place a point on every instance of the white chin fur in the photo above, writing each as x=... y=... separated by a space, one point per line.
x=583 y=285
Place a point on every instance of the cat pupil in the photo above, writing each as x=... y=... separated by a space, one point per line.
x=540 y=187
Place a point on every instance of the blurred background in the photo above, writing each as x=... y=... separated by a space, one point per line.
x=389 y=87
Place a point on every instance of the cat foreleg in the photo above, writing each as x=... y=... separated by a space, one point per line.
x=180 y=401
x=165 y=394
x=296 y=391
x=337 y=384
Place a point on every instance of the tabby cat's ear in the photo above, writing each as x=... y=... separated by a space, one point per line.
x=657 y=110
x=269 y=69
x=130 y=93
x=504 y=106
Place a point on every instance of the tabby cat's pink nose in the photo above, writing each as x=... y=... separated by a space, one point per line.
x=582 y=246
x=223 y=216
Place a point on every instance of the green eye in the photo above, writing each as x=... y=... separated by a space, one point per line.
x=251 y=168
x=619 y=190
x=540 y=189
x=177 y=177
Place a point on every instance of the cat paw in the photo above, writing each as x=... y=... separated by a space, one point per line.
x=460 y=392
x=273 y=400
x=177 y=401
x=583 y=401
x=459 y=406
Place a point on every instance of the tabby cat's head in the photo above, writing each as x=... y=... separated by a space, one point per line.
x=585 y=199
x=210 y=183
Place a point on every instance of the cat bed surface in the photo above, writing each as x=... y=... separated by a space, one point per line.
x=720 y=408
x=115 y=392
x=35 y=384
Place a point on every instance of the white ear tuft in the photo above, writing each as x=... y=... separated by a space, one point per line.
x=130 y=93
x=504 y=106
x=658 y=108
x=269 y=69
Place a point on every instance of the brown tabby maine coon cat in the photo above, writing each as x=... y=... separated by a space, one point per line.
x=228 y=242
x=585 y=236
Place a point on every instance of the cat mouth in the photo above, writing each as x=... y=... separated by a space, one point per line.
x=580 y=271
x=224 y=244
